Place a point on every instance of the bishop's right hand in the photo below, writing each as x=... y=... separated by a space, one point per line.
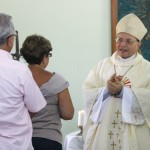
x=114 y=85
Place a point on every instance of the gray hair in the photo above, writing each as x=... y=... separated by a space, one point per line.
x=6 y=27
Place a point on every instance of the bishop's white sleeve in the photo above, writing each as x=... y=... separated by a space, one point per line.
x=131 y=110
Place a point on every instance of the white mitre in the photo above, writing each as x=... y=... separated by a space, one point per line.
x=131 y=24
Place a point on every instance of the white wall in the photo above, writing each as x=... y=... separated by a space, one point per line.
x=79 y=31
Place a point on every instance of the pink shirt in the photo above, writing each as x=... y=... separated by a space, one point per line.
x=18 y=95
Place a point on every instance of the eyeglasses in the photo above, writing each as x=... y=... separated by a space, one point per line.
x=50 y=54
x=11 y=36
x=127 y=41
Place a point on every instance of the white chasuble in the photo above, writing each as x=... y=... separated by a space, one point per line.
x=124 y=122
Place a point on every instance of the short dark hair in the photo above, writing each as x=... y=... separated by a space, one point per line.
x=34 y=48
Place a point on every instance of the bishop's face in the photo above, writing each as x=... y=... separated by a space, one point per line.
x=126 y=45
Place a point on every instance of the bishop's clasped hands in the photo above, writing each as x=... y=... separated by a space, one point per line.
x=114 y=84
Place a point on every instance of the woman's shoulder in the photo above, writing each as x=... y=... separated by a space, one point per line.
x=55 y=84
x=58 y=79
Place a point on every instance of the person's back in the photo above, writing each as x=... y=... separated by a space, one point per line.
x=19 y=94
x=47 y=123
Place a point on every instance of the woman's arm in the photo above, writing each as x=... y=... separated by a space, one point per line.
x=65 y=105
